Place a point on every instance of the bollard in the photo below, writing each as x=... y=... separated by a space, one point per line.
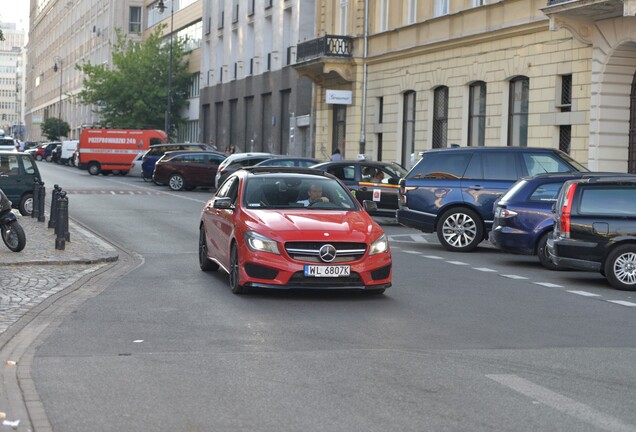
x=54 y=196
x=36 y=197
x=61 y=225
x=41 y=197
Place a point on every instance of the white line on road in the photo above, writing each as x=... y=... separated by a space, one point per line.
x=548 y=284
x=419 y=238
x=584 y=293
x=517 y=277
x=457 y=262
x=562 y=403
x=411 y=252
x=622 y=303
x=485 y=269
x=435 y=257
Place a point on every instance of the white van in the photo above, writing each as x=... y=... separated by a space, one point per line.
x=66 y=154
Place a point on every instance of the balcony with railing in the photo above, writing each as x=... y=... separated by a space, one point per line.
x=330 y=56
x=591 y=10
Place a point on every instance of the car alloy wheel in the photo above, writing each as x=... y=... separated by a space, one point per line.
x=543 y=254
x=234 y=272
x=620 y=268
x=176 y=182
x=460 y=230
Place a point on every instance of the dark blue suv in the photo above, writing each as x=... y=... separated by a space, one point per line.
x=452 y=191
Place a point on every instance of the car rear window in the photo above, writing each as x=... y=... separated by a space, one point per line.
x=618 y=200
x=546 y=192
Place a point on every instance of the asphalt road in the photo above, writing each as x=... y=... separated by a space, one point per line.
x=482 y=341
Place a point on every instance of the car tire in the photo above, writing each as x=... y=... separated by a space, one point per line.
x=620 y=267
x=38 y=158
x=49 y=158
x=26 y=205
x=93 y=168
x=176 y=182
x=234 y=273
x=542 y=252
x=204 y=262
x=460 y=230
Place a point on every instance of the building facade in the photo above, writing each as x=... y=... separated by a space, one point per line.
x=251 y=97
x=421 y=75
x=11 y=80
x=63 y=34
x=182 y=19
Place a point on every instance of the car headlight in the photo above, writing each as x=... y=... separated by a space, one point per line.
x=380 y=245
x=260 y=243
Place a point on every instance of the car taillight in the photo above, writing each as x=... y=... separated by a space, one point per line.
x=504 y=213
x=566 y=210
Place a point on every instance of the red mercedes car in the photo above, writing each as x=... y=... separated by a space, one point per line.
x=276 y=227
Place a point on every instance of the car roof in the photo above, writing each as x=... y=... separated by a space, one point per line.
x=239 y=156
x=491 y=148
x=192 y=151
x=177 y=144
x=264 y=170
x=563 y=176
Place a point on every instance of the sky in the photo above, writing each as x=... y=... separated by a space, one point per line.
x=16 y=11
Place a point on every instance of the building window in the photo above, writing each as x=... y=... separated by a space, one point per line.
x=408 y=128
x=565 y=137
x=477 y=114
x=441 y=7
x=518 y=117
x=479 y=3
x=134 y=20
x=384 y=15
x=344 y=11
x=440 y=117
x=412 y=12
x=250 y=7
x=566 y=93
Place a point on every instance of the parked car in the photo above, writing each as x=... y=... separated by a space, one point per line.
x=67 y=149
x=270 y=239
x=39 y=151
x=452 y=191
x=302 y=162
x=158 y=150
x=135 y=166
x=524 y=220
x=595 y=228
x=236 y=161
x=8 y=143
x=187 y=169
x=48 y=150
x=370 y=180
x=18 y=172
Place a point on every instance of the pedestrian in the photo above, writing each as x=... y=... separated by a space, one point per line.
x=336 y=156
x=230 y=150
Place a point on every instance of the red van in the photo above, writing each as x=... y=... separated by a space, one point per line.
x=113 y=150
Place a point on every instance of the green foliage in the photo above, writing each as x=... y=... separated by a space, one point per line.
x=133 y=93
x=54 y=128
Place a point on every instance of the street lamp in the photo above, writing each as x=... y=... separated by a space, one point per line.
x=161 y=6
x=61 y=69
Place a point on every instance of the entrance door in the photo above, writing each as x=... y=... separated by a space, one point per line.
x=631 y=158
x=339 y=128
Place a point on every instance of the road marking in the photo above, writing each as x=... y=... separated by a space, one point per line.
x=548 y=284
x=584 y=293
x=514 y=277
x=418 y=238
x=457 y=262
x=485 y=269
x=412 y=252
x=622 y=303
x=562 y=403
x=435 y=257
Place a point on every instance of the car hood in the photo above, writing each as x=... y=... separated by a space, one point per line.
x=314 y=225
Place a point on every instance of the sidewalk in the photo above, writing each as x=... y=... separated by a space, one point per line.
x=31 y=276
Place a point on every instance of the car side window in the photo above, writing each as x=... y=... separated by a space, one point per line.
x=543 y=163
x=500 y=166
x=546 y=192
x=442 y=165
x=225 y=189
x=619 y=201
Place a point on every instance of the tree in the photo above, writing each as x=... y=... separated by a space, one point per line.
x=54 y=128
x=133 y=93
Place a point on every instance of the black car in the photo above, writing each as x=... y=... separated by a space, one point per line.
x=452 y=191
x=523 y=215
x=369 y=180
x=595 y=228
x=18 y=172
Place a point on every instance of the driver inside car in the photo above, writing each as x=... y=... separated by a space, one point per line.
x=315 y=195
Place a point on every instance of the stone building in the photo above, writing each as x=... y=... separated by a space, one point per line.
x=421 y=75
x=11 y=80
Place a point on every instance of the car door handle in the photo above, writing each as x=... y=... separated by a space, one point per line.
x=476 y=187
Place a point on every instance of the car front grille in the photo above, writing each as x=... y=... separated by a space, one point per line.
x=310 y=251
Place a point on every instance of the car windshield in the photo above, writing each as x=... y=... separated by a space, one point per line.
x=293 y=192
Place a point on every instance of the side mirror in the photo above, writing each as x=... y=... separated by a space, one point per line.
x=370 y=206
x=223 y=203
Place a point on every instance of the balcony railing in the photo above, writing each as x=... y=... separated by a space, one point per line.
x=326 y=46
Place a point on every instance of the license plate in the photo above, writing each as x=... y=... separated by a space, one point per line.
x=327 y=271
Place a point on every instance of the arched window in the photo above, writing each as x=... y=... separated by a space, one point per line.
x=408 y=128
x=477 y=114
x=518 y=112
x=440 y=117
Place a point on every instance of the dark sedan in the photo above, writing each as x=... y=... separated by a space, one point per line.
x=187 y=169
x=289 y=161
x=369 y=180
